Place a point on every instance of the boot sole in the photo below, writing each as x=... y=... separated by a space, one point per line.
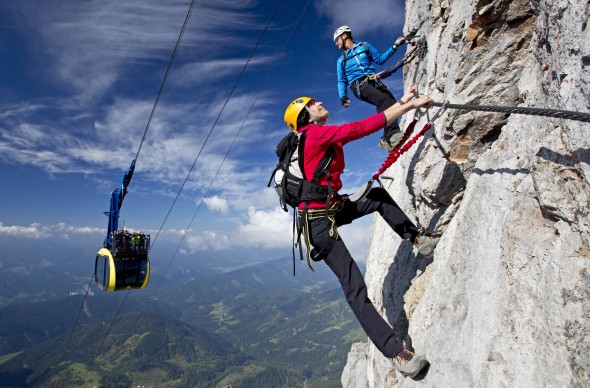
x=421 y=366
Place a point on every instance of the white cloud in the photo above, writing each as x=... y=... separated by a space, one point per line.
x=35 y=231
x=175 y=139
x=19 y=270
x=87 y=49
x=265 y=229
x=377 y=15
x=262 y=229
x=65 y=231
x=356 y=237
x=38 y=231
x=208 y=240
x=272 y=229
x=217 y=204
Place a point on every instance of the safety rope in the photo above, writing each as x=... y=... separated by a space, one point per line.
x=402 y=147
x=562 y=114
x=416 y=52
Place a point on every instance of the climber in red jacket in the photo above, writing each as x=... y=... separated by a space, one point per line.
x=321 y=228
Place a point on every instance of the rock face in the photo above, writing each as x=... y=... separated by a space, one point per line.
x=506 y=300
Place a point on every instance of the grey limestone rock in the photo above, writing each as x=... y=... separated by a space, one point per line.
x=506 y=300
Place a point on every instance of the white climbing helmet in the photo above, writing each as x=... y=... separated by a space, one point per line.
x=341 y=30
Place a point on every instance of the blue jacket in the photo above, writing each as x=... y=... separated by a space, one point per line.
x=358 y=64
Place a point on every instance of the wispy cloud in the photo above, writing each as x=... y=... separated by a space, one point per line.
x=210 y=70
x=374 y=16
x=90 y=49
x=89 y=45
x=109 y=142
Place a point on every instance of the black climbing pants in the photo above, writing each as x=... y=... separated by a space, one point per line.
x=376 y=93
x=334 y=252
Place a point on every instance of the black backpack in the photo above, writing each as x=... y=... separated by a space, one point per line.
x=291 y=185
x=290 y=182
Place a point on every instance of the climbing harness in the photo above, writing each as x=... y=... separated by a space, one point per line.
x=315 y=214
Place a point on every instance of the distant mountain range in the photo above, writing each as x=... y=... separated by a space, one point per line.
x=255 y=326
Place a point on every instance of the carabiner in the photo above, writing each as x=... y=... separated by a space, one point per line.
x=438 y=113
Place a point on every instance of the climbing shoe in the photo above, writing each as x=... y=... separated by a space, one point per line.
x=409 y=364
x=389 y=144
x=425 y=242
x=384 y=143
x=395 y=139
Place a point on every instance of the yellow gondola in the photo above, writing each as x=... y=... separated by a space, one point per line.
x=126 y=266
x=123 y=262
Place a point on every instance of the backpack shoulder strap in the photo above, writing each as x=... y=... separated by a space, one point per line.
x=346 y=58
x=323 y=165
x=364 y=44
x=300 y=147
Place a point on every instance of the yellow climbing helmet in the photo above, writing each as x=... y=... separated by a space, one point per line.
x=293 y=110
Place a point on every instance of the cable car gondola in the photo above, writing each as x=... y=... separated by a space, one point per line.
x=126 y=265
x=123 y=262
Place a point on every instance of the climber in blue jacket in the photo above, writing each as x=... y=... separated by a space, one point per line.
x=354 y=68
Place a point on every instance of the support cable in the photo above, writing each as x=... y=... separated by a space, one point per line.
x=67 y=347
x=156 y=102
x=231 y=146
x=215 y=123
x=561 y=114
x=170 y=62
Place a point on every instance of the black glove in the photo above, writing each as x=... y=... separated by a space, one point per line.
x=344 y=100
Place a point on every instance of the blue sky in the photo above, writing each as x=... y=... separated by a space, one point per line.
x=78 y=81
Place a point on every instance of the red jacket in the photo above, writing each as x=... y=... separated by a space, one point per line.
x=320 y=137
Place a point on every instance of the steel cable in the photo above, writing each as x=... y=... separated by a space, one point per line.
x=561 y=114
